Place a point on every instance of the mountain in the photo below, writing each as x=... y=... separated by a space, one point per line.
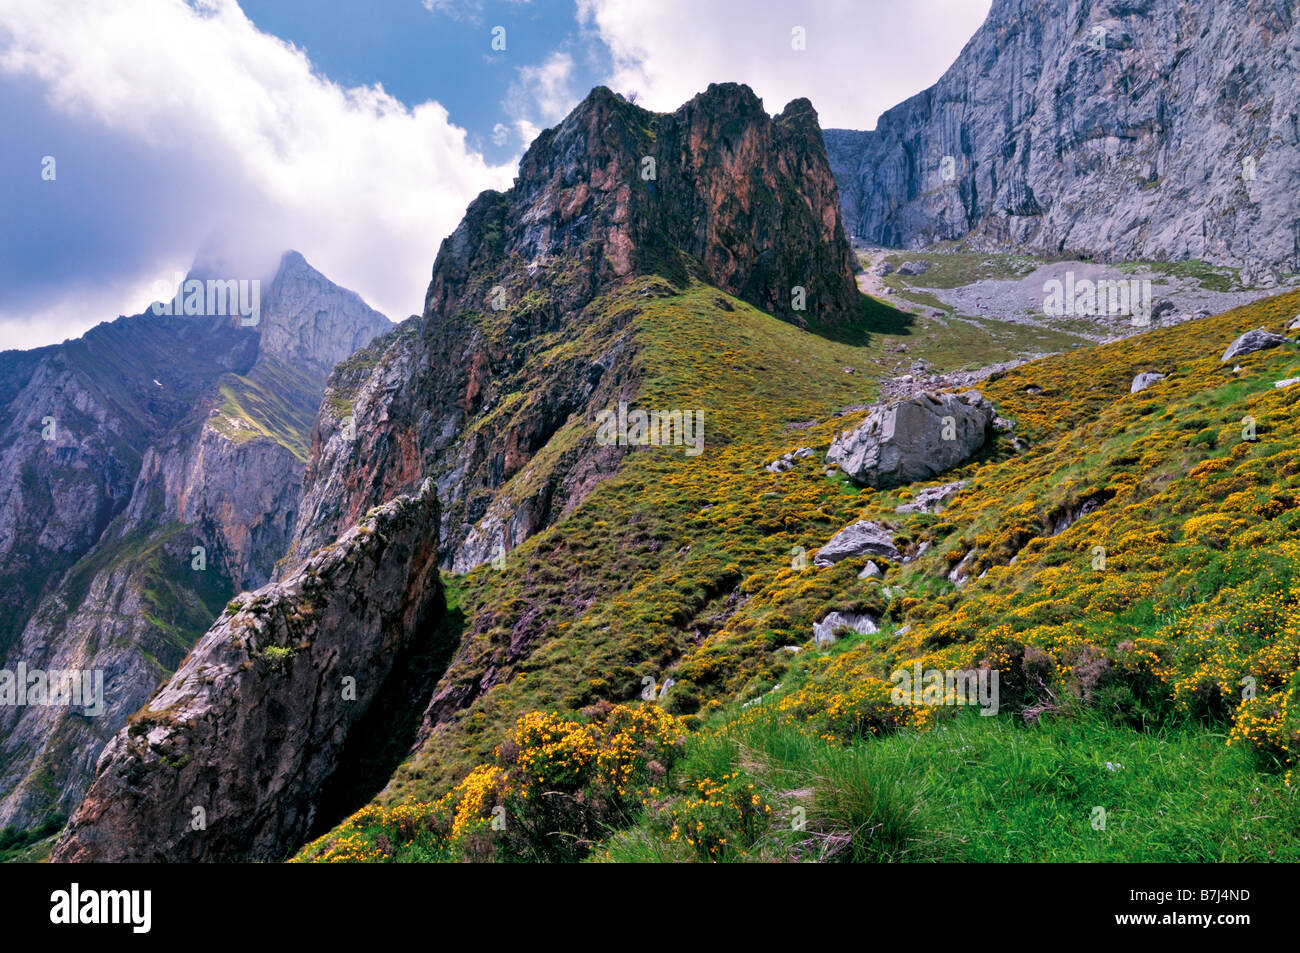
x=531 y=326
x=514 y=353
x=1157 y=130
x=170 y=432
x=505 y=632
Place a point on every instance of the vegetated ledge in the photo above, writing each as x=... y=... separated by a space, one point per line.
x=228 y=762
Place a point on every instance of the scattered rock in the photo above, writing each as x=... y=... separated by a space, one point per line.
x=1162 y=308
x=870 y=571
x=863 y=538
x=932 y=499
x=824 y=631
x=920 y=551
x=914 y=439
x=1258 y=340
x=959 y=574
x=1145 y=380
x=1294 y=325
x=1288 y=382
x=786 y=461
x=913 y=268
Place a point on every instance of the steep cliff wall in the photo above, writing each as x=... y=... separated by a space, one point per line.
x=1159 y=129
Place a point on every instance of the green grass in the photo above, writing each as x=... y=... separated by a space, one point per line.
x=273 y=401
x=981 y=789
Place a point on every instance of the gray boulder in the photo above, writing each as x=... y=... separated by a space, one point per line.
x=932 y=499
x=914 y=439
x=1145 y=380
x=1258 y=340
x=863 y=538
x=824 y=631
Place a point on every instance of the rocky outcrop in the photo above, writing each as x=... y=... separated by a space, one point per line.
x=863 y=538
x=1261 y=339
x=229 y=760
x=1160 y=130
x=913 y=439
x=472 y=390
x=1145 y=380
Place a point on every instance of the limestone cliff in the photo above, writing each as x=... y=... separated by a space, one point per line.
x=1157 y=130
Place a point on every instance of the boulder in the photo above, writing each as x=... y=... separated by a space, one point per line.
x=870 y=571
x=932 y=499
x=863 y=538
x=1145 y=380
x=914 y=439
x=1258 y=340
x=824 y=631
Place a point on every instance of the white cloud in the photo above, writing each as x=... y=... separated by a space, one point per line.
x=541 y=95
x=862 y=56
x=268 y=153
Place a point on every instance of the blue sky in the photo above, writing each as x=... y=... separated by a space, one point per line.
x=357 y=132
x=417 y=54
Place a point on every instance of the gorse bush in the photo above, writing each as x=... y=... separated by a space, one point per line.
x=559 y=785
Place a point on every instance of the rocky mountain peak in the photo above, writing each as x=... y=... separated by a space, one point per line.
x=616 y=190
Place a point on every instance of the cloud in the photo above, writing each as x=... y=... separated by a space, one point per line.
x=541 y=95
x=861 y=56
x=181 y=127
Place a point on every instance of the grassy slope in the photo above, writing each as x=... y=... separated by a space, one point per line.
x=274 y=401
x=683 y=567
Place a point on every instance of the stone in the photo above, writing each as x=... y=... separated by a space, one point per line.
x=1145 y=380
x=914 y=439
x=870 y=571
x=932 y=499
x=862 y=538
x=824 y=631
x=1259 y=339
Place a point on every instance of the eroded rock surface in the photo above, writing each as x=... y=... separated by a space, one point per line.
x=253 y=725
